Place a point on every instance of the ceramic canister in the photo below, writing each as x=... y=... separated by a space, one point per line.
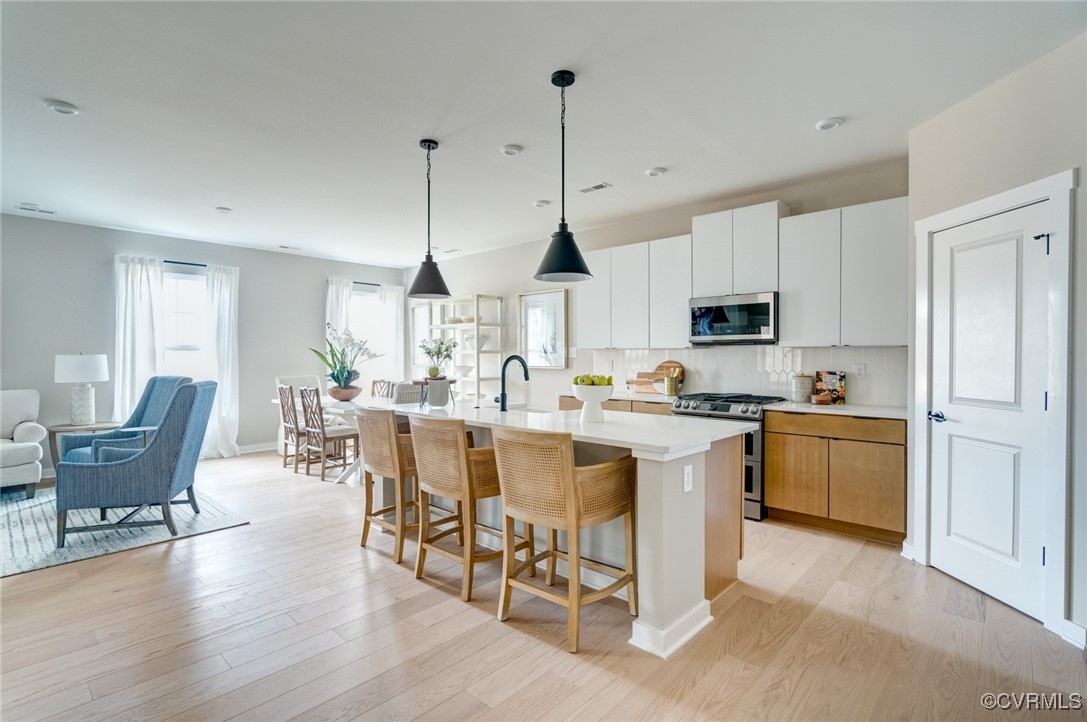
x=801 y=387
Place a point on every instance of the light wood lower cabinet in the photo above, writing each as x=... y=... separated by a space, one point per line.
x=569 y=403
x=651 y=407
x=868 y=484
x=795 y=473
x=844 y=472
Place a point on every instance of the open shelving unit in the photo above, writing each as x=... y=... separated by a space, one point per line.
x=479 y=341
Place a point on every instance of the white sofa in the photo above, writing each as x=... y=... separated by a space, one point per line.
x=20 y=440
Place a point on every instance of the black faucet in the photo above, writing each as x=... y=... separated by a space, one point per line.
x=502 y=397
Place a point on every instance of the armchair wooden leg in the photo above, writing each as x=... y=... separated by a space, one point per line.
x=552 y=546
x=62 y=522
x=573 y=619
x=168 y=517
x=30 y=489
x=468 y=523
x=424 y=533
x=509 y=562
x=192 y=499
x=368 y=509
x=102 y=514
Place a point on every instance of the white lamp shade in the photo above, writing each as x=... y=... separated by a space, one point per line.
x=81 y=368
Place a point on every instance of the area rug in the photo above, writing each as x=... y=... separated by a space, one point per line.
x=29 y=530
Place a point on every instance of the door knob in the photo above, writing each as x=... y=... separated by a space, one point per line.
x=937 y=416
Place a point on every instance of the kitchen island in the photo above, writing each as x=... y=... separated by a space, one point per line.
x=689 y=502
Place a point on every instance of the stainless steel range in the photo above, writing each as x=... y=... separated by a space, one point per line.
x=746 y=407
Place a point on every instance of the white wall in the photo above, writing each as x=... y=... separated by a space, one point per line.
x=508 y=271
x=1027 y=126
x=56 y=296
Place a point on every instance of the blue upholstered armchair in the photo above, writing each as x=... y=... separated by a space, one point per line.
x=124 y=473
x=156 y=397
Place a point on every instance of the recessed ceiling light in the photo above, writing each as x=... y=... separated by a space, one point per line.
x=655 y=172
x=511 y=149
x=541 y=203
x=62 y=107
x=829 y=123
x=224 y=209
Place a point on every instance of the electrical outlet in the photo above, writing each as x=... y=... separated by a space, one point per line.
x=860 y=370
x=688 y=478
x=611 y=367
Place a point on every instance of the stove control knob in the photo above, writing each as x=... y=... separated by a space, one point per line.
x=744 y=408
x=685 y=404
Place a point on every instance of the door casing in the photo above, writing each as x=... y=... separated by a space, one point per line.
x=1057 y=190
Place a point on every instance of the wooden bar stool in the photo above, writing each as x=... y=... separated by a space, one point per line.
x=541 y=486
x=450 y=468
x=318 y=437
x=389 y=454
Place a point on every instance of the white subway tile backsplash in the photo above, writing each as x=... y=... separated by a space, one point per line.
x=767 y=369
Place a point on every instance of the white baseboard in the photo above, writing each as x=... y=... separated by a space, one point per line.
x=255 y=448
x=1074 y=634
x=664 y=642
x=907 y=551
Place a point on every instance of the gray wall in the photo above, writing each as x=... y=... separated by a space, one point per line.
x=1029 y=125
x=56 y=296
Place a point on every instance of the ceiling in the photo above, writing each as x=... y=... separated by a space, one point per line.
x=305 y=117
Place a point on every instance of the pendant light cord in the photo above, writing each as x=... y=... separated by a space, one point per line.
x=562 y=124
x=428 y=202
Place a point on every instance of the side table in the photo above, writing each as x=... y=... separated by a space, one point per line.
x=75 y=429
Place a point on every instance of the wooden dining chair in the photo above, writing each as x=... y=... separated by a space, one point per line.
x=541 y=486
x=326 y=445
x=450 y=468
x=381 y=389
x=294 y=434
x=389 y=454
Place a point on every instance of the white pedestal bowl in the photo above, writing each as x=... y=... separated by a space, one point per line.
x=591 y=397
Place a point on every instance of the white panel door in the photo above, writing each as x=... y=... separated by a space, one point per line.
x=670 y=292
x=711 y=243
x=989 y=341
x=592 y=302
x=755 y=247
x=810 y=279
x=630 y=296
x=875 y=299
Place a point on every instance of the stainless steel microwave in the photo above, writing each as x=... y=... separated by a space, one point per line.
x=744 y=318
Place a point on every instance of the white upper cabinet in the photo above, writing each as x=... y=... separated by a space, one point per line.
x=711 y=240
x=669 y=292
x=875 y=299
x=592 y=301
x=809 y=309
x=755 y=247
x=630 y=296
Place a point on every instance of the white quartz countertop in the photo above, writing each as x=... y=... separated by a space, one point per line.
x=621 y=395
x=872 y=412
x=669 y=436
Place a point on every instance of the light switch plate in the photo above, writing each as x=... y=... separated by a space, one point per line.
x=688 y=478
x=860 y=370
x=573 y=352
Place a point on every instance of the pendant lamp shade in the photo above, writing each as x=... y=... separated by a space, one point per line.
x=428 y=281
x=563 y=261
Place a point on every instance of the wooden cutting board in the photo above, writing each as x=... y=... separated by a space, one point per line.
x=643 y=383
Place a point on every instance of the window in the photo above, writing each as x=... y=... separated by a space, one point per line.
x=188 y=350
x=373 y=319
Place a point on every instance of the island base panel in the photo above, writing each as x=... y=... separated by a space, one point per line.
x=724 y=514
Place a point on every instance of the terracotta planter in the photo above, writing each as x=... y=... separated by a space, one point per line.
x=341 y=394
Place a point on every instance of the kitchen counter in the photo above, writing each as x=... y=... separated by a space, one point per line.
x=689 y=518
x=861 y=410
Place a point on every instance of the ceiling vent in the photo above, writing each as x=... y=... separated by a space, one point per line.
x=34 y=208
x=598 y=187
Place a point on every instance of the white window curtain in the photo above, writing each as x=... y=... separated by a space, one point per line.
x=221 y=438
x=392 y=301
x=139 y=347
x=338 y=304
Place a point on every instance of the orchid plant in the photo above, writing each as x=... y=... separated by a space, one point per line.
x=344 y=351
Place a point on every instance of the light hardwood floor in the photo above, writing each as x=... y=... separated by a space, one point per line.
x=288 y=618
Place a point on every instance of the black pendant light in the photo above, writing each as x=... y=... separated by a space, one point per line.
x=428 y=281
x=563 y=261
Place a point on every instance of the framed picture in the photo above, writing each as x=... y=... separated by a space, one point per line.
x=833 y=383
x=542 y=328
x=420 y=331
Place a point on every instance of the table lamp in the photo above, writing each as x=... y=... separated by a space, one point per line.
x=81 y=371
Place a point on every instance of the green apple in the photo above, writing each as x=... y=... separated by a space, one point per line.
x=600 y=381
